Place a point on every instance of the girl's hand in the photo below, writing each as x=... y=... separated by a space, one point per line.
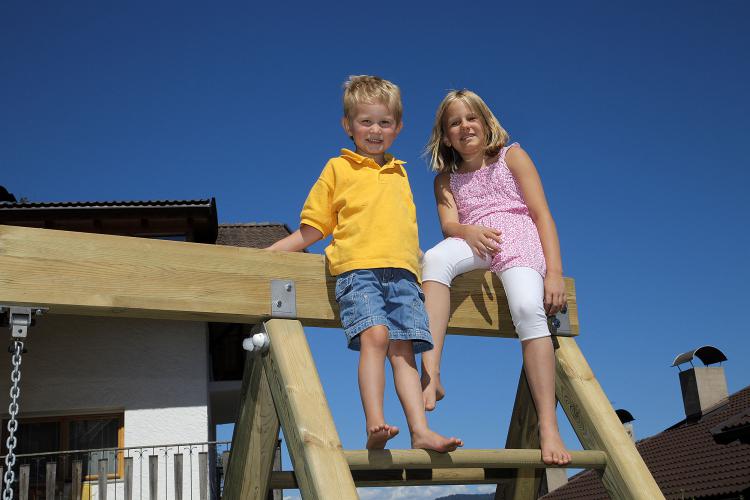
x=554 y=293
x=483 y=241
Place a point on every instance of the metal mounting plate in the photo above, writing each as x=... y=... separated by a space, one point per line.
x=283 y=299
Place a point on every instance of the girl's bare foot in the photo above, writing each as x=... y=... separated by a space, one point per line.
x=553 y=449
x=432 y=391
x=429 y=440
x=378 y=435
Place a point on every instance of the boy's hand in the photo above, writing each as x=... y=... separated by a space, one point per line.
x=554 y=293
x=483 y=241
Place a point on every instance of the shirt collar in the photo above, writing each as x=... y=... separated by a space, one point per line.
x=364 y=160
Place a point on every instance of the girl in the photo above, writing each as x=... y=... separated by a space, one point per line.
x=485 y=189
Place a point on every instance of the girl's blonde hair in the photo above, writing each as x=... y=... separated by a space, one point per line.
x=446 y=159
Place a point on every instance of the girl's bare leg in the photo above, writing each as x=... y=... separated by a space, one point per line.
x=371 y=372
x=438 y=305
x=539 y=365
x=406 y=380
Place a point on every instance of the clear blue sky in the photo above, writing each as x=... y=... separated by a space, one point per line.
x=635 y=114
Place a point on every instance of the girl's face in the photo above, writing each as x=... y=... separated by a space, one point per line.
x=373 y=128
x=464 y=129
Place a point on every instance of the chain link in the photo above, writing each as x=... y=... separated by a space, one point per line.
x=15 y=393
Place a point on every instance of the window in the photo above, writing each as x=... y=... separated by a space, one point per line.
x=73 y=433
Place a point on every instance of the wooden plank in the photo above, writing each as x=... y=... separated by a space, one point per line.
x=153 y=477
x=203 y=475
x=102 y=479
x=128 y=479
x=523 y=432
x=254 y=440
x=597 y=426
x=494 y=459
x=178 y=476
x=104 y=275
x=50 y=480
x=314 y=444
x=77 y=480
x=23 y=482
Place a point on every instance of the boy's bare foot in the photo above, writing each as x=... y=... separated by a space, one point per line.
x=432 y=391
x=553 y=449
x=429 y=440
x=378 y=435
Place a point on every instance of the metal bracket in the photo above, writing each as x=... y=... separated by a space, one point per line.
x=258 y=342
x=283 y=299
x=21 y=318
x=559 y=324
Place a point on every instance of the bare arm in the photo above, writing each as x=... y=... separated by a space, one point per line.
x=526 y=175
x=298 y=240
x=482 y=240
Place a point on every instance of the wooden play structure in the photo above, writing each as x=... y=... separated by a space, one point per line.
x=102 y=275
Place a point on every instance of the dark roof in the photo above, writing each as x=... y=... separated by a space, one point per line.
x=196 y=219
x=104 y=204
x=687 y=460
x=253 y=235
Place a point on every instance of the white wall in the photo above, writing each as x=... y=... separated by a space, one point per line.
x=156 y=371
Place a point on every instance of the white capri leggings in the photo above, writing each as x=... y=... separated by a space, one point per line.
x=524 y=287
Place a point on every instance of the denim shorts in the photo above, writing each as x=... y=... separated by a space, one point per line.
x=387 y=296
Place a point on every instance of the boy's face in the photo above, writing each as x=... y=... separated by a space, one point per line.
x=373 y=128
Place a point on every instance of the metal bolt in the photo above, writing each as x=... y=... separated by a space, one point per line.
x=278 y=304
x=288 y=287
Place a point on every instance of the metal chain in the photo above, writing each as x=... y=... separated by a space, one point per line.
x=10 y=443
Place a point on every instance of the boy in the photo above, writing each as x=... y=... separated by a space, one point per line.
x=364 y=201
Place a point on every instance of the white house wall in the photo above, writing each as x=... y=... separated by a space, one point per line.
x=155 y=371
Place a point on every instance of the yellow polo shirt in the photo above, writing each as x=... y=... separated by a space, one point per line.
x=369 y=210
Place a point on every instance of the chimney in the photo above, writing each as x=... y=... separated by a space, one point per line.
x=702 y=386
x=626 y=418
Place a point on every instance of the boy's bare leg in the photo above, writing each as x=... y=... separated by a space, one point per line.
x=409 y=390
x=371 y=372
x=437 y=302
x=539 y=364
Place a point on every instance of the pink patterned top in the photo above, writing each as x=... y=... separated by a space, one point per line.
x=491 y=197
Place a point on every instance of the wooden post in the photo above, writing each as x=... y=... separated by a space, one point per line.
x=153 y=477
x=178 y=476
x=254 y=440
x=77 y=480
x=203 y=475
x=23 y=482
x=522 y=433
x=597 y=426
x=314 y=444
x=51 y=480
x=128 y=479
x=102 y=479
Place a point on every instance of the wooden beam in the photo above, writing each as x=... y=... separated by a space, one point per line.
x=597 y=426
x=254 y=440
x=103 y=275
x=523 y=433
x=494 y=459
x=311 y=437
x=406 y=477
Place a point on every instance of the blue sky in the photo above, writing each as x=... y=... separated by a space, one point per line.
x=635 y=114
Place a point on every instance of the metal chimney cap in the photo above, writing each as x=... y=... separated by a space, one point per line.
x=707 y=353
x=624 y=415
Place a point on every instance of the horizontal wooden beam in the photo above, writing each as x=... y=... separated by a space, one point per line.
x=103 y=275
x=406 y=477
x=493 y=459
x=420 y=468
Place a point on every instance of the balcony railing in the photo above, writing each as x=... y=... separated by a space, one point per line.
x=190 y=471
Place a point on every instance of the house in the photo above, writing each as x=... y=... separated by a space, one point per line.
x=117 y=393
x=705 y=455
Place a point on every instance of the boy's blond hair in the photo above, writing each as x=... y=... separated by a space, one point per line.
x=446 y=159
x=371 y=90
